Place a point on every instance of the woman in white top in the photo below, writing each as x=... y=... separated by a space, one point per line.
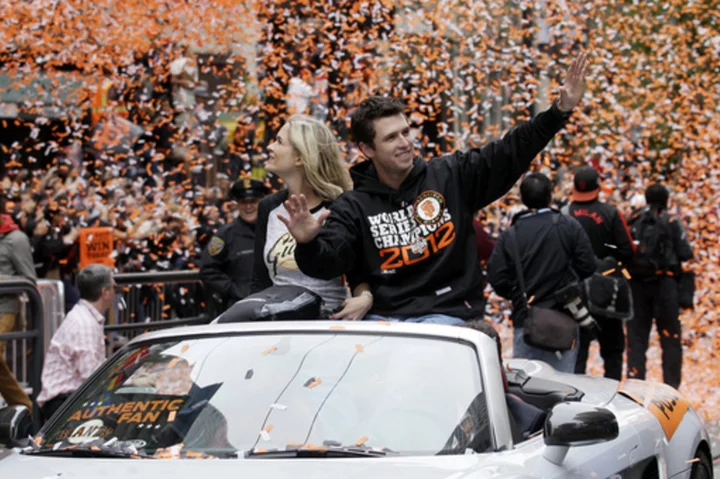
x=306 y=156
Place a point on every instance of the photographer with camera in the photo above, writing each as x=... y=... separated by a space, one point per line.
x=554 y=252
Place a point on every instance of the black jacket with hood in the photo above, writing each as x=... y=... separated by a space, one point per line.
x=415 y=246
x=554 y=252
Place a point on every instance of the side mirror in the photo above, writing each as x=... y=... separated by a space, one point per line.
x=15 y=425
x=576 y=424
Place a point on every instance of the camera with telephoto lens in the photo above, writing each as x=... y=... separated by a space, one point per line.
x=570 y=297
x=580 y=313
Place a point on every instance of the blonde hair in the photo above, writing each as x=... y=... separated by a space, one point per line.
x=321 y=158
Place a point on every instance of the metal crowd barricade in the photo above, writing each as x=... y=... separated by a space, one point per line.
x=52 y=293
x=33 y=334
x=53 y=299
x=156 y=300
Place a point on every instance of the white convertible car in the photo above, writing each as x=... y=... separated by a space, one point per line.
x=350 y=400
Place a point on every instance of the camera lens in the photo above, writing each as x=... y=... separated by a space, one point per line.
x=579 y=312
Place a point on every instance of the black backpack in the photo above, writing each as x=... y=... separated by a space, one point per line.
x=607 y=292
x=653 y=236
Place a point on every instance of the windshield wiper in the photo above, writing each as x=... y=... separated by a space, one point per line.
x=87 y=452
x=323 y=451
x=96 y=448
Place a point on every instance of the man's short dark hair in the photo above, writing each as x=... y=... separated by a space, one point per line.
x=487 y=328
x=536 y=191
x=657 y=195
x=370 y=109
x=92 y=279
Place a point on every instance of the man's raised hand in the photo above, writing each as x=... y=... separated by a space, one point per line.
x=302 y=225
x=573 y=87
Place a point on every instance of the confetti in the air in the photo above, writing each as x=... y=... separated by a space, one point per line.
x=106 y=121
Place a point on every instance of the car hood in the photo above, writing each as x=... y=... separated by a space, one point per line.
x=444 y=467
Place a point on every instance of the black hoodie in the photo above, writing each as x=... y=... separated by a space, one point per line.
x=415 y=246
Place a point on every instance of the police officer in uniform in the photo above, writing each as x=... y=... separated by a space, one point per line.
x=227 y=261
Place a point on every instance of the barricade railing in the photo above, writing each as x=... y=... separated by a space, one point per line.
x=52 y=293
x=33 y=333
x=157 y=296
x=53 y=300
x=157 y=300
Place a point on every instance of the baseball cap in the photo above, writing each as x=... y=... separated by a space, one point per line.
x=586 y=184
x=248 y=188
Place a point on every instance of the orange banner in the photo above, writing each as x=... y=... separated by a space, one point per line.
x=96 y=246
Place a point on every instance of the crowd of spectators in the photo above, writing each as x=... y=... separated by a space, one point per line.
x=164 y=206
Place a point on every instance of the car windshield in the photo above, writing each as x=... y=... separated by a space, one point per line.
x=237 y=396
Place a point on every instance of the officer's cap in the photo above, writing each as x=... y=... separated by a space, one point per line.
x=248 y=188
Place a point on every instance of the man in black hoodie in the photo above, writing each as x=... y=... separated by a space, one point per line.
x=406 y=228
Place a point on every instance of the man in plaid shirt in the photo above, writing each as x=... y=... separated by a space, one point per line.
x=77 y=348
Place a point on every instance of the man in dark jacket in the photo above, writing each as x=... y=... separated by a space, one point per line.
x=655 y=271
x=406 y=228
x=554 y=252
x=610 y=237
x=227 y=261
